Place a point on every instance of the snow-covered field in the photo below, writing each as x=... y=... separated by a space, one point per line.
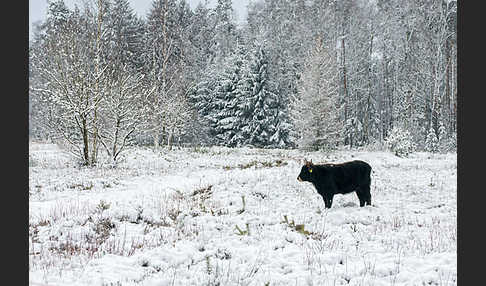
x=220 y=216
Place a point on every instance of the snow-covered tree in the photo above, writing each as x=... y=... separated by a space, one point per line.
x=163 y=66
x=315 y=111
x=431 y=142
x=224 y=30
x=259 y=104
x=72 y=72
x=201 y=37
x=443 y=140
x=400 y=142
x=230 y=94
x=124 y=33
x=217 y=98
x=86 y=77
x=281 y=138
x=122 y=110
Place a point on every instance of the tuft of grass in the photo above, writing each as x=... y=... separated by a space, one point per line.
x=243 y=232
x=209 y=268
x=300 y=228
x=82 y=186
x=204 y=191
x=200 y=150
x=244 y=205
x=103 y=229
x=102 y=206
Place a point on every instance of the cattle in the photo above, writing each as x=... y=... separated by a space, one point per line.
x=331 y=179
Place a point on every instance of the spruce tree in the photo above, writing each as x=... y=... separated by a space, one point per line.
x=259 y=106
x=431 y=142
x=226 y=100
x=444 y=143
x=124 y=33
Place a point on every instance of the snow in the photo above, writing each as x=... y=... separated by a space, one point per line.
x=171 y=218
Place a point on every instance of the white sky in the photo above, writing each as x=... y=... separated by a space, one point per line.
x=38 y=8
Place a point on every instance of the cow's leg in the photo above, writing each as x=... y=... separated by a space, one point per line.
x=361 y=197
x=329 y=200
x=326 y=202
x=364 y=195
x=367 y=194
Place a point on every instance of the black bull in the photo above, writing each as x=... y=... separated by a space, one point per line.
x=331 y=179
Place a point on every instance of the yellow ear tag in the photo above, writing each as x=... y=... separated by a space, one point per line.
x=310 y=170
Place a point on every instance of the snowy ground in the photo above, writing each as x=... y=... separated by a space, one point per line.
x=218 y=216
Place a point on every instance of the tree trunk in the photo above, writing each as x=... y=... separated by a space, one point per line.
x=156 y=140
x=447 y=101
x=115 y=140
x=169 y=139
x=368 y=99
x=97 y=96
x=85 y=142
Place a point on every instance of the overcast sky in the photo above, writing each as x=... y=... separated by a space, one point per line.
x=38 y=8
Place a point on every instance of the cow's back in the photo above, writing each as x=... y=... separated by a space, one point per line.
x=350 y=175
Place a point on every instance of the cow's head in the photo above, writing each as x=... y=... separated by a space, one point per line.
x=306 y=171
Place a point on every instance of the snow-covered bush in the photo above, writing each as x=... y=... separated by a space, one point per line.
x=431 y=142
x=399 y=141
